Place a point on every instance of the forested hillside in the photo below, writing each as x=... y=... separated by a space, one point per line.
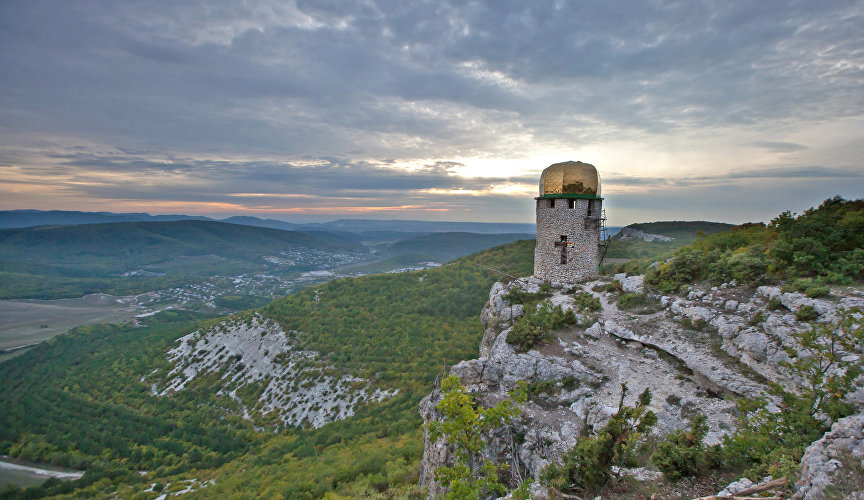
x=682 y=232
x=117 y=247
x=399 y=330
x=447 y=246
x=820 y=246
x=70 y=261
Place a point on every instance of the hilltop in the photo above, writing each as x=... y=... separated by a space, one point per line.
x=728 y=360
x=655 y=239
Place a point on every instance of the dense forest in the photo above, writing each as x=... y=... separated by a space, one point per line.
x=823 y=245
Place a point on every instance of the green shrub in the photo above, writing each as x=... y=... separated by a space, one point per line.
x=516 y=295
x=757 y=318
x=551 y=386
x=632 y=300
x=806 y=313
x=794 y=285
x=534 y=327
x=611 y=287
x=774 y=304
x=809 y=287
x=815 y=291
x=586 y=302
x=463 y=425
x=683 y=453
x=639 y=303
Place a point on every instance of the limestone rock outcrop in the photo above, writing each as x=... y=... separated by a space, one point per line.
x=833 y=467
x=698 y=352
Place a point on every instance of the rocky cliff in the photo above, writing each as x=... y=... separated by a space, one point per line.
x=692 y=351
x=629 y=233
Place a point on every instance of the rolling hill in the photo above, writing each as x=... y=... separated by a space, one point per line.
x=70 y=261
x=117 y=247
x=681 y=232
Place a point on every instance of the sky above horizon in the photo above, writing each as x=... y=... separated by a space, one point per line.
x=315 y=110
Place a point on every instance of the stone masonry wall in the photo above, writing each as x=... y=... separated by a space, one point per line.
x=584 y=232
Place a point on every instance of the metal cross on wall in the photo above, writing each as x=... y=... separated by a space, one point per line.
x=563 y=245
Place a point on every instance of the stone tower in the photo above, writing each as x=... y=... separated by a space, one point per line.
x=569 y=213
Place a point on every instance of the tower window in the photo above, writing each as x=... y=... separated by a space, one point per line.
x=571 y=203
x=552 y=203
x=590 y=206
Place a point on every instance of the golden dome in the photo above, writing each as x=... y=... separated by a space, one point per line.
x=570 y=179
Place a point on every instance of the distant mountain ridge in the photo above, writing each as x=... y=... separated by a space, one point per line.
x=30 y=218
x=681 y=229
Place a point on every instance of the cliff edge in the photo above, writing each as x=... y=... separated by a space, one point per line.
x=697 y=353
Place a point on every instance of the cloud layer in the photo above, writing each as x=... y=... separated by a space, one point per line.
x=429 y=109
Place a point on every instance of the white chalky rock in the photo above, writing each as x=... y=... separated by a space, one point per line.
x=834 y=462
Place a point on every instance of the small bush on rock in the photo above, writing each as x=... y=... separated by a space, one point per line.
x=516 y=295
x=809 y=287
x=586 y=302
x=611 y=287
x=774 y=304
x=757 y=318
x=683 y=453
x=806 y=313
x=638 y=303
x=535 y=326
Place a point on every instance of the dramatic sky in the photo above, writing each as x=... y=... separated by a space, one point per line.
x=439 y=109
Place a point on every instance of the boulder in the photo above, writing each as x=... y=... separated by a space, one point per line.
x=753 y=343
x=595 y=331
x=634 y=284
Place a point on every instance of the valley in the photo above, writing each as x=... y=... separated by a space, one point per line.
x=128 y=272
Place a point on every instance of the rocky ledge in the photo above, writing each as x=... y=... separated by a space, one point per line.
x=691 y=351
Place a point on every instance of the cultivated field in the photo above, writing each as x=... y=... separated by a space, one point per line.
x=24 y=322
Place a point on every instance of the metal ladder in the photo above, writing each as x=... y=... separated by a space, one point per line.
x=604 y=238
